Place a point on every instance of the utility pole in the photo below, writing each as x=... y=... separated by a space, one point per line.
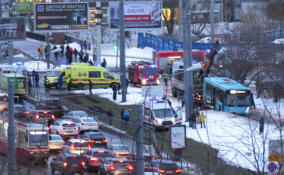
x=212 y=3
x=180 y=20
x=187 y=47
x=47 y=55
x=11 y=130
x=122 y=51
x=99 y=32
x=139 y=140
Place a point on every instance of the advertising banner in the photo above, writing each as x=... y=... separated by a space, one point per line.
x=61 y=16
x=23 y=7
x=178 y=136
x=137 y=14
x=13 y=28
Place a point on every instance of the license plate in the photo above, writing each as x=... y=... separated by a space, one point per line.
x=170 y=171
x=69 y=131
x=98 y=141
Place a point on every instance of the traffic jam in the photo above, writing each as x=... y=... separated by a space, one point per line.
x=71 y=142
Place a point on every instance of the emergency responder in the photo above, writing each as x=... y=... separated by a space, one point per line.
x=69 y=82
x=165 y=75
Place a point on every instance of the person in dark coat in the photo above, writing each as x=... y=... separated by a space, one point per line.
x=75 y=54
x=29 y=84
x=81 y=55
x=46 y=50
x=261 y=125
x=114 y=91
x=110 y=116
x=62 y=50
x=36 y=79
x=90 y=87
x=104 y=63
x=193 y=119
x=86 y=58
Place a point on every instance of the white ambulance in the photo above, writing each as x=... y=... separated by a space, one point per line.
x=159 y=114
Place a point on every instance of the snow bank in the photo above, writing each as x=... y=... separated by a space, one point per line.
x=279 y=41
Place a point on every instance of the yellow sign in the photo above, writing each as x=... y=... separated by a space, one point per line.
x=275 y=158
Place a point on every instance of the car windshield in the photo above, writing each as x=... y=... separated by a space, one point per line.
x=150 y=71
x=20 y=108
x=96 y=136
x=54 y=74
x=80 y=113
x=82 y=144
x=88 y=120
x=121 y=147
x=163 y=113
x=55 y=137
x=121 y=163
x=238 y=100
x=38 y=138
x=53 y=103
x=74 y=159
x=102 y=154
x=69 y=125
x=170 y=166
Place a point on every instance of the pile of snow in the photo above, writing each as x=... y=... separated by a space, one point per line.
x=38 y=66
x=267 y=105
x=279 y=41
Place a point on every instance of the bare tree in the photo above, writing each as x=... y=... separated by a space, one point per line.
x=274 y=10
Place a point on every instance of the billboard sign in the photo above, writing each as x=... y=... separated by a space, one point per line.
x=23 y=7
x=276 y=150
x=13 y=28
x=137 y=14
x=178 y=137
x=61 y=16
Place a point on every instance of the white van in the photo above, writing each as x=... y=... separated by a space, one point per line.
x=159 y=114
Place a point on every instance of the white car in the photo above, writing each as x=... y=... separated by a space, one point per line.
x=76 y=146
x=76 y=114
x=86 y=124
x=55 y=142
x=64 y=128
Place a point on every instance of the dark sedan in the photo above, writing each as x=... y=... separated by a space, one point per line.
x=95 y=139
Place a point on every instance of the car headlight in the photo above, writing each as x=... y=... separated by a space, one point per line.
x=173 y=120
x=143 y=82
x=158 y=81
x=159 y=122
x=247 y=111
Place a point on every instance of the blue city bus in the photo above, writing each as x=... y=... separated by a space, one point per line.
x=225 y=94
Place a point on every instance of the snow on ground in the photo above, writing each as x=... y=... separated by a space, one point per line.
x=38 y=66
x=230 y=134
x=279 y=41
x=267 y=105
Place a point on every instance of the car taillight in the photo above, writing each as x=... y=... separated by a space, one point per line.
x=101 y=152
x=130 y=167
x=97 y=124
x=91 y=141
x=117 y=155
x=65 y=164
x=161 y=171
x=153 y=158
x=93 y=159
x=111 y=167
x=73 y=147
x=104 y=140
x=45 y=112
x=37 y=117
x=89 y=146
x=26 y=112
x=83 y=163
x=84 y=124
x=76 y=128
x=199 y=95
x=52 y=116
x=62 y=128
x=178 y=170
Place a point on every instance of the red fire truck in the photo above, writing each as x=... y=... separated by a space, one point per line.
x=143 y=73
x=163 y=58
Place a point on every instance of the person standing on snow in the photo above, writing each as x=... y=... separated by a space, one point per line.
x=202 y=118
x=114 y=91
x=261 y=125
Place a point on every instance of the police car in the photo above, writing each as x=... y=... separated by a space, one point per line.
x=160 y=114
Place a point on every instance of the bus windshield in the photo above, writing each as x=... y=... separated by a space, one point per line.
x=38 y=138
x=238 y=100
x=54 y=74
x=163 y=113
x=150 y=71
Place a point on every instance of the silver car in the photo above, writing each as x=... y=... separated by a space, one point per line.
x=55 y=142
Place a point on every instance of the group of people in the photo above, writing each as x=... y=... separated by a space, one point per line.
x=68 y=52
x=197 y=117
